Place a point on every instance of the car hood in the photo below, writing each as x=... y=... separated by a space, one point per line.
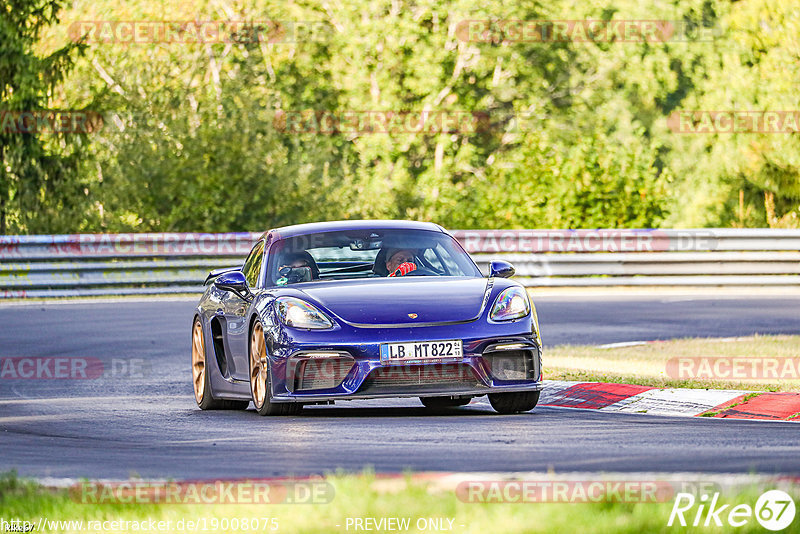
x=389 y=301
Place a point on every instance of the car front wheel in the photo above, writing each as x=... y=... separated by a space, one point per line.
x=260 y=380
x=506 y=403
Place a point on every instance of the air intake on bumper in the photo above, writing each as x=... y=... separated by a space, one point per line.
x=317 y=370
x=511 y=362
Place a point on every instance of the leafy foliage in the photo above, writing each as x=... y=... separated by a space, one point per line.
x=575 y=133
x=40 y=186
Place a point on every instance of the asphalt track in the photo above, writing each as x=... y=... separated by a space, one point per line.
x=142 y=419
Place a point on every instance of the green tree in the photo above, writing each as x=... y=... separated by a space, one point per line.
x=194 y=144
x=40 y=190
x=757 y=70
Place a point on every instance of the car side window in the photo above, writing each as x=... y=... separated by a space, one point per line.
x=432 y=259
x=440 y=260
x=252 y=265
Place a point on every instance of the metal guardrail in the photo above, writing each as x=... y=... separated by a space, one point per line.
x=120 y=264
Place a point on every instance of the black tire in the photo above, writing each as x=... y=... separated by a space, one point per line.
x=261 y=372
x=507 y=403
x=203 y=394
x=439 y=403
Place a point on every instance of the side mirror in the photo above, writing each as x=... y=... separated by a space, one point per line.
x=235 y=282
x=501 y=269
x=216 y=272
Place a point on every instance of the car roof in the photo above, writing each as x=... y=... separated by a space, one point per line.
x=332 y=226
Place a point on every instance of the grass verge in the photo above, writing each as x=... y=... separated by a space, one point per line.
x=646 y=364
x=426 y=506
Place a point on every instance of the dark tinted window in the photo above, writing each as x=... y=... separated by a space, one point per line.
x=252 y=265
x=364 y=254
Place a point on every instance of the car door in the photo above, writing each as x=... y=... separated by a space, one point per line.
x=236 y=318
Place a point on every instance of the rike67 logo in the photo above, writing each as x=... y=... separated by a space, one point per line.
x=774 y=510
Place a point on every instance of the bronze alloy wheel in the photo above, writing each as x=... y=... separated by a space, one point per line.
x=258 y=370
x=198 y=362
x=259 y=378
x=201 y=381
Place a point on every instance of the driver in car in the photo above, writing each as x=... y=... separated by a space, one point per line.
x=297 y=267
x=400 y=262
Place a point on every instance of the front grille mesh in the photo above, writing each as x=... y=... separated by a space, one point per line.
x=438 y=377
x=322 y=373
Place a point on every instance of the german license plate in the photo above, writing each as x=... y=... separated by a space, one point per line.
x=420 y=351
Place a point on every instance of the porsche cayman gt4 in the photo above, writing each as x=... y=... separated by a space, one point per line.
x=360 y=310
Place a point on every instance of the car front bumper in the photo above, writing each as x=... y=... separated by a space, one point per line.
x=322 y=372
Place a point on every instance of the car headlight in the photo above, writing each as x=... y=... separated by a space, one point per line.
x=300 y=314
x=536 y=325
x=512 y=303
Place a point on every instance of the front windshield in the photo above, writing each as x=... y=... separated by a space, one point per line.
x=366 y=254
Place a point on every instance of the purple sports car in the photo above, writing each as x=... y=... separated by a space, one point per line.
x=360 y=310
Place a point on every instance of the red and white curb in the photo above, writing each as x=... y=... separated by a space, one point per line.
x=629 y=398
